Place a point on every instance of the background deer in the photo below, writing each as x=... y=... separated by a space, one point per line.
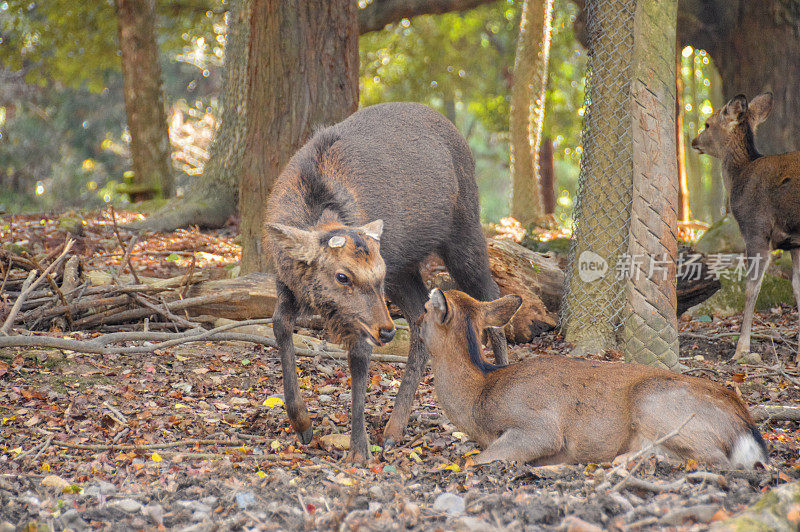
x=403 y=163
x=764 y=195
x=553 y=409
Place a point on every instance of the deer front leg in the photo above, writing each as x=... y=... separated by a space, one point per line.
x=407 y=292
x=757 y=261
x=522 y=445
x=283 y=324
x=358 y=359
x=796 y=289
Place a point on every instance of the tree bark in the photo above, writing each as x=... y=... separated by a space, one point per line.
x=144 y=100
x=211 y=200
x=527 y=108
x=302 y=73
x=547 y=176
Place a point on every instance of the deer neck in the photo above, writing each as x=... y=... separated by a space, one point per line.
x=740 y=152
x=458 y=387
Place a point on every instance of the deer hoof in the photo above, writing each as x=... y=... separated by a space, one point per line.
x=306 y=435
x=358 y=458
x=388 y=443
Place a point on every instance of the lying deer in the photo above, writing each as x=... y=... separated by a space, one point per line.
x=353 y=214
x=764 y=195
x=554 y=409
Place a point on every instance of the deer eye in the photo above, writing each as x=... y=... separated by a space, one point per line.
x=706 y=126
x=342 y=278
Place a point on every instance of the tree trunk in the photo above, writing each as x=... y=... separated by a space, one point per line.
x=756 y=47
x=527 y=108
x=547 y=176
x=684 y=213
x=211 y=200
x=618 y=295
x=302 y=73
x=144 y=100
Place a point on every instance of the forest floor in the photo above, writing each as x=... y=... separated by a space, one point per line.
x=222 y=455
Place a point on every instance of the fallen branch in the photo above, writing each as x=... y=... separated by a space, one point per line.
x=102 y=344
x=12 y=315
x=775 y=413
x=31 y=286
x=146 y=446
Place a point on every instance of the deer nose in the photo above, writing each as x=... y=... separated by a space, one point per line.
x=386 y=335
x=694 y=142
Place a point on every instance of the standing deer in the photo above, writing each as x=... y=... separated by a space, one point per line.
x=555 y=409
x=764 y=195
x=353 y=214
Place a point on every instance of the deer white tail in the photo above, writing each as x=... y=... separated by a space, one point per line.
x=749 y=449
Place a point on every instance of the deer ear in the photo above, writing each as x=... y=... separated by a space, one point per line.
x=373 y=229
x=438 y=305
x=759 y=109
x=500 y=311
x=736 y=108
x=298 y=243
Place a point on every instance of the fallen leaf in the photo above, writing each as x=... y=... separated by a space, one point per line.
x=273 y=401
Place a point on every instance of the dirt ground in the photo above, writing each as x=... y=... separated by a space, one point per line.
x=218 y=392
x=209 y=445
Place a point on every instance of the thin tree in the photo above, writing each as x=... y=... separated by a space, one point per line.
x=211 y=200
x=527 y=108
x=144 y=100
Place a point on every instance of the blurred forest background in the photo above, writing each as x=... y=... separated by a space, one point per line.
x=64 y=142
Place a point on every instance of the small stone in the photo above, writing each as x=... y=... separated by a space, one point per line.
x=154 y=512
x=376 y=492
x=324 y=398
x=244 y=499
x=411 y=512
x=449 y=503
x=240 y=401
x=195 y=506
x=200 y=516
x=752 y=358
x=336 y=441
x=128 y=505
x=575 y=524
x=72 y=519
x=100 y=488
x=345 y=397
x=468 y=523
x=210 y=500
x=328 y=388
x=55 y=482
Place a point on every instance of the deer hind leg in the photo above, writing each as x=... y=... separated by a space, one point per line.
x=467 y=261
x=523 y=445
x=796 y=289
x=407 y=292
x=758 y=258
x=283 y=324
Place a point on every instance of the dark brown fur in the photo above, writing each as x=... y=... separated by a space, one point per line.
x=402 y=163
x=553 y=409
x=764 y=194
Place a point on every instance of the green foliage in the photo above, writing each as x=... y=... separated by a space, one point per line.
x=462 y=65
x=75 y=43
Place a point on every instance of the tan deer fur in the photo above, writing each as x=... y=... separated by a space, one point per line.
x=554 y=409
